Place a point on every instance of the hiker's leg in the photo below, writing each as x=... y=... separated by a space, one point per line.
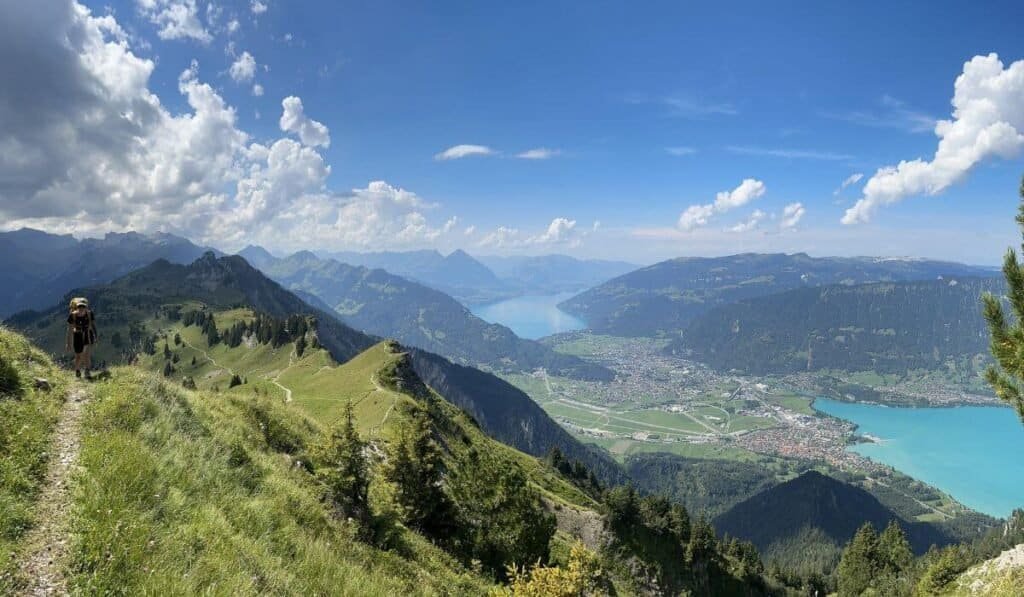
x=87 y=358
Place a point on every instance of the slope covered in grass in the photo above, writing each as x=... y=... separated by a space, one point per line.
x=27 y=419
x=190 y=492
x=378 y=382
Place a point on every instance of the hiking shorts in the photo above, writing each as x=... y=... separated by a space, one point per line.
x=80 y=340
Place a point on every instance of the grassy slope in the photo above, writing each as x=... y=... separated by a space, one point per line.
x=27 y=418
x=320 y=388
x=182 y=493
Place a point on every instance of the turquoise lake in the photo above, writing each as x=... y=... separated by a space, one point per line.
x=973 y=453
x=531 y=316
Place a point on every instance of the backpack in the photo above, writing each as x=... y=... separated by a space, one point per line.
x=82 y=302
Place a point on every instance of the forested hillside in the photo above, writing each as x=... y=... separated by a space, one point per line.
x=803 y=524
x=665 y=297
x=885 y=327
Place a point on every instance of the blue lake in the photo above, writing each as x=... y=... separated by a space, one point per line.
x=531 y=316
x=972 y=453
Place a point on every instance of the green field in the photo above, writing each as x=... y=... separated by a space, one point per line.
x=621 y=448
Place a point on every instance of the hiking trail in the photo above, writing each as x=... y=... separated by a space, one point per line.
x=46 y=553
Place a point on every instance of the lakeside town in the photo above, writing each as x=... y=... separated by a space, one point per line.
x=662 y=399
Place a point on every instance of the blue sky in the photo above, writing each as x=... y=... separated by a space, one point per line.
x=646 y=108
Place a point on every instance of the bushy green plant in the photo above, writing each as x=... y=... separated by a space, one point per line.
x=501 y=518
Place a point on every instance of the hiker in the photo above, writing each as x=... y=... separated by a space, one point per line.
x=81 y=335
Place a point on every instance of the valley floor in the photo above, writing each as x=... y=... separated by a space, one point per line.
x=662 y=403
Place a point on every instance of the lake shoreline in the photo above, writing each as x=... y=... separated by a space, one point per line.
x=947 y=447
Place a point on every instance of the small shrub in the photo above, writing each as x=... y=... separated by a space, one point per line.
x=10 y=381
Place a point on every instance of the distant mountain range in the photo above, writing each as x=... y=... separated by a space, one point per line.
x=482 y=279
x=387 y=305
x=457 y=274
x=37 y=268
x=550 y=274
x=664 y=298
x=883 y=327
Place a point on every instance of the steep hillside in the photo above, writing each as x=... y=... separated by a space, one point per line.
x=37 y=268
x=812 y=516
x=665 y=297
x=1001 y=576
x=387 y=305
x=886 y=327
x=132 y=310
x=248 y=488
x=125 y=307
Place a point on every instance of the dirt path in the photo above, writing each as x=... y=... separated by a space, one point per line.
x=47 y=543
x=207 y=356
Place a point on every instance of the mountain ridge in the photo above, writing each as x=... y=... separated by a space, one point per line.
x=663 y=298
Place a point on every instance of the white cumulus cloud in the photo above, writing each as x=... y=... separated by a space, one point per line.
x=243 y=69
x=463 y=151
x=696 y=216
x=791 y=215
x=258 y=7
x=294 y=120
x=560 y=232
x=175 y=19
x=89 y=148
x=987 y=122
x=751 y=223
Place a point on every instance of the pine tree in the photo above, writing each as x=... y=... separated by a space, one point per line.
x=501 y=517
x=177 y=339
x=894 y=549
x=168 y=369
x=702 y=541
x=235 y=381
x=859 y=564
x=414 y=465
x=1007 y=376
x=167 y=351
x=343 y=469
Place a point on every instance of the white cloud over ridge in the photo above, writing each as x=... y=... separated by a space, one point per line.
x=987 y=122
x=697 y=216
x=464 y=150
x=294 y=120
x=751 y=223
x=89 y=148
x=560 y=232
x=791 y=215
